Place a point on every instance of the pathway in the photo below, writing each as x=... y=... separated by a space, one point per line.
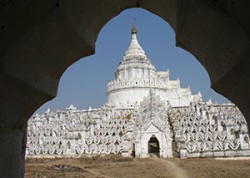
x=178 y=171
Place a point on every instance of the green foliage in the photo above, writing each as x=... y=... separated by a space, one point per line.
x=128 y=116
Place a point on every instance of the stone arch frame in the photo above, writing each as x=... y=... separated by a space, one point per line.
x=55 y=34
x=145 y=137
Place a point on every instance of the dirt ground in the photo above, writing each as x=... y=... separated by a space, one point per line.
x=115 y=166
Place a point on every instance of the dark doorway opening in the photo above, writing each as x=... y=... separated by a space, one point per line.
x=133 y=151
x=153 y=146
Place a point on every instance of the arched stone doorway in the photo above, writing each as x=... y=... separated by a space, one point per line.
x=133 y=150
x=153 y=146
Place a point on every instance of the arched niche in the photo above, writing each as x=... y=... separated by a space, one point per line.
x=153 y=146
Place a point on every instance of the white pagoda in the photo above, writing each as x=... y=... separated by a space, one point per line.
x=135 y=76
x=145 y=113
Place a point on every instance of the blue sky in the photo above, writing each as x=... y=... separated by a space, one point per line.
x=84 y=83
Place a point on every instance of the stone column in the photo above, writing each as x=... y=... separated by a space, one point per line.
x=137 y=149
x=12 y=152
x=169 y=148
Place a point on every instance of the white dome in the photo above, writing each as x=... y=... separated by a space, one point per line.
x=135 y=76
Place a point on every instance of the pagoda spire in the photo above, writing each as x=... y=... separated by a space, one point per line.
x=134 y=48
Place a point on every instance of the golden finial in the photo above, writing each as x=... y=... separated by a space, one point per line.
x=134 y=31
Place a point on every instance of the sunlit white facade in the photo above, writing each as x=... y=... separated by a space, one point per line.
x=145 y=113
x=135 y=76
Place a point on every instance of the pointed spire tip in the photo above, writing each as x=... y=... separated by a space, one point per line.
x=134 y=31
